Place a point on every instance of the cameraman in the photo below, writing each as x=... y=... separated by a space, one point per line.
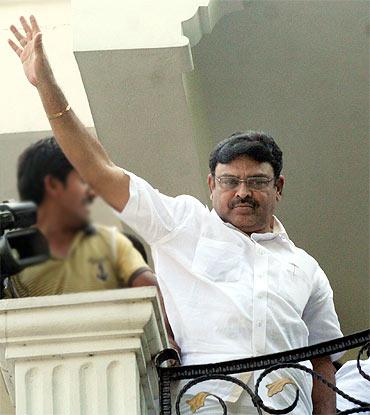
x=84 y=256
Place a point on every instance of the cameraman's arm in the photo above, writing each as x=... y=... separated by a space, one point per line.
x=83 y=150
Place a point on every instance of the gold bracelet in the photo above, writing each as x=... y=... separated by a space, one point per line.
x=59 y=114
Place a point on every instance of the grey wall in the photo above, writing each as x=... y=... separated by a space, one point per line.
x=11 y=146
x=300 y=70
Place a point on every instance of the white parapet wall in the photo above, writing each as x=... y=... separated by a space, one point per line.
x=89 y=353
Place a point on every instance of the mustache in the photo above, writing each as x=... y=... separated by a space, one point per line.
x=249 y=201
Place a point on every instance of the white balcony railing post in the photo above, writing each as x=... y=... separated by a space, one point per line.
x=88 y=353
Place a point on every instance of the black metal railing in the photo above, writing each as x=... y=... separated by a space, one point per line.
x=269 y=363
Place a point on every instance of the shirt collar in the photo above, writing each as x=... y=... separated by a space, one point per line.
x=278 y=231
x=88 y=231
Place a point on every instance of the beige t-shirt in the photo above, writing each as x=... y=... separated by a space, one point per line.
x=98 y=260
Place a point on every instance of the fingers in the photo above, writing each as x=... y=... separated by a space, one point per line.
x=26 y=27
x=32 y=31
x=16 y=49
x=22 y=40
x=34 y=24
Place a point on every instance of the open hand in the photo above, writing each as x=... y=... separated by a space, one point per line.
x=31 y=52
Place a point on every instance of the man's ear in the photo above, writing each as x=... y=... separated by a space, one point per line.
x=51 y=185
x=279 y=187
x=211 y=184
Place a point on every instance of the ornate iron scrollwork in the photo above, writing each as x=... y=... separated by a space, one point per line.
x=270 y=363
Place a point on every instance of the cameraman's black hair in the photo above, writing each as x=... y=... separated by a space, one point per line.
x=254 y=144
x=37 y=161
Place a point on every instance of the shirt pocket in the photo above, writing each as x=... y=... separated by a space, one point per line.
x=294 y=286
x=218 y=261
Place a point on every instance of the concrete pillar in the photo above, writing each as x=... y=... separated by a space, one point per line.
x=88 y=353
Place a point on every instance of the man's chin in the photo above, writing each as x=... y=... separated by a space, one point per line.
x=247 y=224
x=243 y=215
x=242 y=221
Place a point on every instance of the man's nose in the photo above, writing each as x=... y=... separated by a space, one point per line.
x=243 y=190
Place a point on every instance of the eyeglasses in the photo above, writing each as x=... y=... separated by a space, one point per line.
x=254 y=183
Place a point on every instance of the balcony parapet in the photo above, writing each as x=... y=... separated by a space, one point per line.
x=82 y=353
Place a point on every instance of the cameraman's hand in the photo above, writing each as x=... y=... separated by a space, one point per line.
x=31 y=52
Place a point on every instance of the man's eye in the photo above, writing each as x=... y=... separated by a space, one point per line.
x=229 y=181
x=255 y=182
x=258 y=182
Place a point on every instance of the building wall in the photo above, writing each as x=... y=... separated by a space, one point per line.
x=299 y=70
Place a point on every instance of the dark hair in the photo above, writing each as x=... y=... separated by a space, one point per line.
x=137 y=245
x=37 y=161
x=254 y=144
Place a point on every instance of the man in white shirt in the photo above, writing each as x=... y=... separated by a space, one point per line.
x=233 y=283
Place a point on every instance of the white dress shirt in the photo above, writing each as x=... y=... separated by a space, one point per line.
x=227 y=295
x=350 y=381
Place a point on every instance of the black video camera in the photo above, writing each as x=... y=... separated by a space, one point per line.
x=20 y=245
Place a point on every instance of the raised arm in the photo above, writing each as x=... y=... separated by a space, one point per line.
x=83 y=150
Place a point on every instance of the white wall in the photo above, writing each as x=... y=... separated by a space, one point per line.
x=20 y=107
x=136 y=24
